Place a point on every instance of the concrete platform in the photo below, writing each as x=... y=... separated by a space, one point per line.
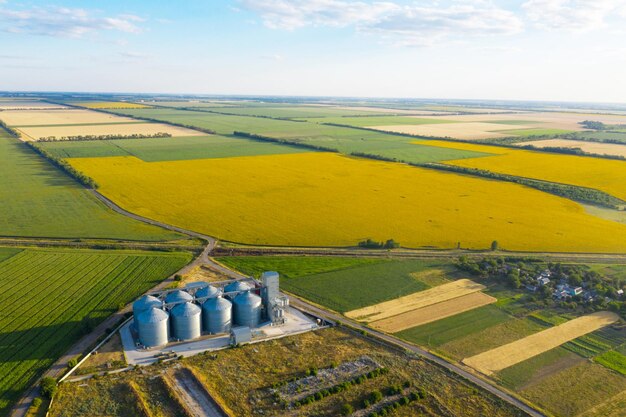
x=297 y=322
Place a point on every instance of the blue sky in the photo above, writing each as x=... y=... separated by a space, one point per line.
x=501 y=49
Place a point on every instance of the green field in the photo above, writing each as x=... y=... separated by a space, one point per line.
x=38 y=200
x=575 y=389
x=593 y=135
x=534 y=132
x=613 y=360
x=332 y=282
x=168 y=149
x=293 y=111
x=49 y=298
x=381 y=120
x=532 y=370
x=343 y=139
x=455 y=327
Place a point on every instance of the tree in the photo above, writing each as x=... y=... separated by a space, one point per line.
x=513 y=278
x=494 y=245
x=48 y=387
x=347 y=409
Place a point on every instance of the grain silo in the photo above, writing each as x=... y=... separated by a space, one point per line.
x=178 y=296
x=206 y=292
x=247 y=309
x=145 y=303
x=186 y=321
x=153 y=328
x=217 y=315
x=237 y=286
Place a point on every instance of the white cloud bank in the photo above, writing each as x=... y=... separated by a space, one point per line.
x=64 y=22
x=575 y=15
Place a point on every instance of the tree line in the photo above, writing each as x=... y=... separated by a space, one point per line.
x=64 y=166
x=81 y=138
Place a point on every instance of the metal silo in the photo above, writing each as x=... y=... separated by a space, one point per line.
x=185 y=321
x=247 y=309
x=235 y=286
x=145 y=303
x=217 y=315
x=206 y=292
x=178 y=296
x=153 y=327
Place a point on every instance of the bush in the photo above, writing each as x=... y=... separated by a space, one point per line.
x=37 y=402
x=347 y=409
x=48 y=387
x=72 y=363
x=376 y=396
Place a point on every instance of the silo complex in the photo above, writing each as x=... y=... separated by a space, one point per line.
x=153 y=327
x=185 y=321
x=145 y=303
x=247 y=309
x=217 y=315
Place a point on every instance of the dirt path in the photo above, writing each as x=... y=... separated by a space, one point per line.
x=193 y=394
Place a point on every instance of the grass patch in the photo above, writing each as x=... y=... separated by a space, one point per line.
x=49 y=298
x=534 y=132
x=38 y=200
x=452 y=328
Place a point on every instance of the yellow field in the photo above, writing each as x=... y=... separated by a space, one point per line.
x=433 y=312
x=324 y=199
x=508 y=355
x=109 y=105
x=39 y=132
x=416 y=300
x=602 y=174
x=591 y=147
x=62 y=116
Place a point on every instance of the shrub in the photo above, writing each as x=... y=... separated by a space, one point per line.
x=37 y=402
x=347 y=409
x=49 y=387
x=376 y=396
x=72 y=363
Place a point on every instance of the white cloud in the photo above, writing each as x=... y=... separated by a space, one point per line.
x=576 y=15
x=394 y=22
x=294 y=14
x=64 y=22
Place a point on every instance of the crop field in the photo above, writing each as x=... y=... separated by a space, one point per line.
x=371 y=121
x=618 y=137
x=515 y=352
x=169 y=149
x=108 y=105
x=63 y=117
x=38 y=200
x=49 y=298
x=576 y=389
x=433 y=312
x=356 y=196
x=612 y=360
x=331 y=281
x=602 y=174
x=16 y=104
x=39 y=132
x=467 y=131
x=590 y=147
x=416 y=300
x=455 y=327
x=345 y=140
x=295 y=111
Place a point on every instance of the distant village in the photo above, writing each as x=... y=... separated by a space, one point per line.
x=569 y=286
